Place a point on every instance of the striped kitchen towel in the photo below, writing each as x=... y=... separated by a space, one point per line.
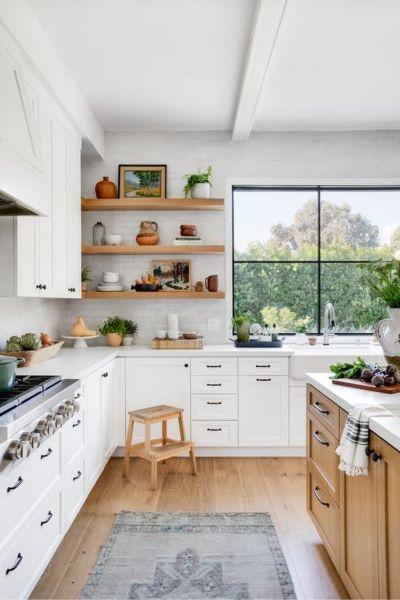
x=354 y=440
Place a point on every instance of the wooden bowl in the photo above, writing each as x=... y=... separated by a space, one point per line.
x=190 y=335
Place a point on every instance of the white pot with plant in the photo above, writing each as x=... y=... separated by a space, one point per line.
x=85 y=278
x=130 y=332
x=198 y=184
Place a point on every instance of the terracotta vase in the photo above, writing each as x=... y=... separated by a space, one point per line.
x=105 y=189
x=114 y=339
x=148 y=235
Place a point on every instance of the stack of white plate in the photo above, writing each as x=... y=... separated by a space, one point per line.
x=109 y=287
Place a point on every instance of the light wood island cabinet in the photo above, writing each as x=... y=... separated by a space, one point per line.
x=358 y=518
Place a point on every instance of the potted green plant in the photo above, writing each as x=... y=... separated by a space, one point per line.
x=198 y=184
x=242 y=328
x=130 y=331
x=301 y=337
x=85 y=278
x=114 y=329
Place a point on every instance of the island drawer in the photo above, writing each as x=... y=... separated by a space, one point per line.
x=321 y=446
x=264 y=366
x=324 y=409
x=214 y=366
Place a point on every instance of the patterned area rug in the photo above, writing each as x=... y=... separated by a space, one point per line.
x=189 y=556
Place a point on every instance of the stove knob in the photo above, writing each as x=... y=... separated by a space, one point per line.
x=35 y=438
x=59 y=420
x=51 y=424
x=62 y=410
x=69 y=405
x=12 y=451
x=41 y=427
x=76 y=406
x=23 y=449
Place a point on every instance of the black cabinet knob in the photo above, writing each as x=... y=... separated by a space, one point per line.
x=104 y=374
x=186 y=365
x=71 y=289
x=376 y=457
x=39 y=286
x=44 y=287
x=368 y=451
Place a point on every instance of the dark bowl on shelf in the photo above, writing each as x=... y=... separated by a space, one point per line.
x=146 y=287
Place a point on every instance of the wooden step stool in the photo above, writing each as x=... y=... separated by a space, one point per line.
x=158 y=449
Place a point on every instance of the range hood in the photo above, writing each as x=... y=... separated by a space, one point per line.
x=11 y=208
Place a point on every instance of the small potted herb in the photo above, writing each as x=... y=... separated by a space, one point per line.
x=198 y=184
x=114 y=329
x=242 y=328
x=301 y=337
x=130 y=331
x=85 y=278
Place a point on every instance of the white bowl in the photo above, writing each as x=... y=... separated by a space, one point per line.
x=109 y=277
x=113 y=239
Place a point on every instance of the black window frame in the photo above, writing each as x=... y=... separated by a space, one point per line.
x=318 y=262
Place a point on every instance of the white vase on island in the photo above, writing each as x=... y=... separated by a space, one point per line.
x=388 y=334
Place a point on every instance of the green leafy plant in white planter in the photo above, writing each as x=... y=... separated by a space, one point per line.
x=130 y=331
x=198 y=184
x=85 y=278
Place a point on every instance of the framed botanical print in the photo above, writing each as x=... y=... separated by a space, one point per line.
x=173 y=274
x=142 y=181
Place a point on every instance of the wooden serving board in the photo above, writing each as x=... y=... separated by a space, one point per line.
x=365 y=385
x=180 y=344
x=33 y=357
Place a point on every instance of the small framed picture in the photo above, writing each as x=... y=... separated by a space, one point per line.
x=174 y=275
x=142 y=181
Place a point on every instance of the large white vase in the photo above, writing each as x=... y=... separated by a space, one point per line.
x=388 y=334
x=201 y=190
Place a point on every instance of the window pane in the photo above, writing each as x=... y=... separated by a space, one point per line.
x=360 y=224
x=275 y=224
x=285 y=294
x=355 y=310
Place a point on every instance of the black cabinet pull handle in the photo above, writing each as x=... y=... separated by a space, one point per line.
x=318 y=497
x=39 y=286
x=323 y=411
x=214 y=366
x=186 y=365
x=77 y=476
x=368 y=451
x=319 y=440
x=263 y=366
x=14 y=487
x=49 y=451
x=376 y=457
x=71 y=289
x=214 y=384
x=77 y=423
x=50 y=516
x=265 y=379
x=214 y=429
x=78 y=395
x=214 y=402
x=44 y=287
x=104 y=374
x=16 y=564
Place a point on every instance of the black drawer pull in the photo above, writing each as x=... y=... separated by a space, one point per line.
x=214 y=429
x=44 y=287
x=14 y=487
x=263 y=366
x=50 y=516
x=265 y=379
x=214 y=403
x=77 y=423
x=318 y=497
x=16 y=564
x=49 y=451
x=77 y=395
x=214 y=366
x=77 y=476
x=319 y=440
x=323 y=411
x=104 y=374
x=376 y=457
x=214 y=384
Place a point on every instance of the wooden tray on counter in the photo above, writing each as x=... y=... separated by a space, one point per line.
x=365 y=385
x=180 y=344
x=33 y=357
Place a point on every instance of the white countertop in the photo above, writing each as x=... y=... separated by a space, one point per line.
x=387 y=427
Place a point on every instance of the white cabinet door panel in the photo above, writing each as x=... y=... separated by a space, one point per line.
x=214 y=366
x=214 y=433
x=206 y=407
x=297 y=419
x=264 y=366
x=225 y=384
x=108 y=409
x=92 y=427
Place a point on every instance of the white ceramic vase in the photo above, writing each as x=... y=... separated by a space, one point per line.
x=127 y=340
x=201 y=190
x=388 y=334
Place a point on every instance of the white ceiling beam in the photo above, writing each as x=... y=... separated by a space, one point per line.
x=268 y=17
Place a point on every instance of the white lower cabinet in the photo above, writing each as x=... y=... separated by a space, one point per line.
x=75 y=486
x=108 y=409
x=211 y=407
x=263 y=411
x=152 y=381
x=214 y=433
x=297 y=416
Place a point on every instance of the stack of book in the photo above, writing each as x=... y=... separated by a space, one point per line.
x=188 y=240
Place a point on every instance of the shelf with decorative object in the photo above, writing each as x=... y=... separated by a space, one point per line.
x=161 y=204
x=153 y=295
x=145 y=250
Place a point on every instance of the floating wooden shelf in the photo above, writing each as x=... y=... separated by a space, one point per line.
x=153 y=204
x=145 y=250
x=153 y=295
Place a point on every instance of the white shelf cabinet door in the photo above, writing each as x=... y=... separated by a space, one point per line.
x=73 y=280
x=152 y=381
x=91 y=387
x=297 y=420
x=263 y=411
x=60 y=200
x=108 y=409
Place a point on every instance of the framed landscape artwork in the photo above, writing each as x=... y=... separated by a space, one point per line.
x=142 y=181
x=174 y=275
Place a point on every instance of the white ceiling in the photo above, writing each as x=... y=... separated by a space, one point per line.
x=179 y=64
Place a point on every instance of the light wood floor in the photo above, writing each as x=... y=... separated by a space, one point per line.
x=274 y=485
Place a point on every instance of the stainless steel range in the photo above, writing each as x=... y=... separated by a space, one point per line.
x=34 y=409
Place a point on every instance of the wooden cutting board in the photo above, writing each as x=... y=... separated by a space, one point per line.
x=365 y=385
x=180 y=344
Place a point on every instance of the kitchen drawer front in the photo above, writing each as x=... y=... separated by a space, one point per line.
x=29 y=553
x=214 y=366
x=321 y=446
x=264 y=366
x=323 y=408
x=75 y=488
x=226 y=384
x=72 y=436
x=324 y=512
x=23 y=485
x=207 y=407
x=214 y=433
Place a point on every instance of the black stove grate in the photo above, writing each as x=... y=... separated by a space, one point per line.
x=25 y=388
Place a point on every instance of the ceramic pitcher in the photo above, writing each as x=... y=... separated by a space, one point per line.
x=148 y=234
x=388 y=334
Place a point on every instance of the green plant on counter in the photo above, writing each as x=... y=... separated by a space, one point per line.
x=237 y=321
x=348 y=370
x=383 y=279
x=113 y=325
x=85 y=274
x=130 y=327
x=193 y=179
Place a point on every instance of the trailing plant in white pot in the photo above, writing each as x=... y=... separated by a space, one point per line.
x=198 y=184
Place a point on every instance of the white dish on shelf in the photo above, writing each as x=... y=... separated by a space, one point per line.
x=109 y=287
x=113 y=239
x=80 y=342
x=109 y=277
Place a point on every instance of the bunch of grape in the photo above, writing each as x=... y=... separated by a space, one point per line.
x=380 y=376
